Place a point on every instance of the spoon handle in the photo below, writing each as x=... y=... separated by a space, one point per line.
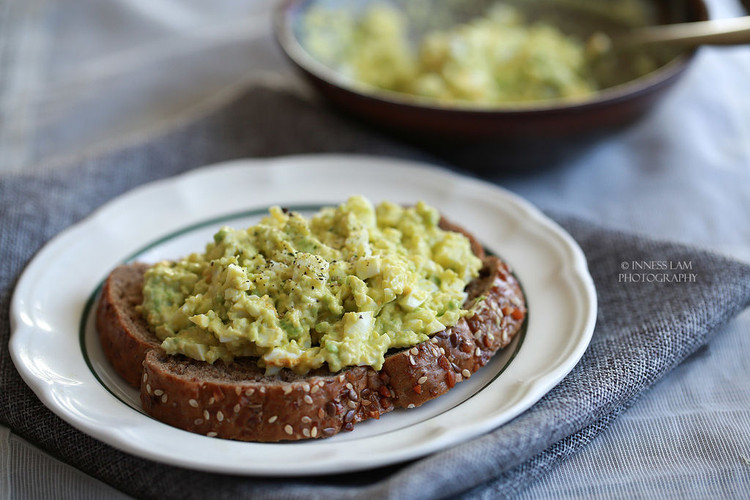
x=732 y=31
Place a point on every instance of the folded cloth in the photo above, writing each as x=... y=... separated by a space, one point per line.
x=644 y=329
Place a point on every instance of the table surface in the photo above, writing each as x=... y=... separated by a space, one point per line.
x=83 y=74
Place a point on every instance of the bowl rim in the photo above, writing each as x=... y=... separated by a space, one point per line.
x=294 y=50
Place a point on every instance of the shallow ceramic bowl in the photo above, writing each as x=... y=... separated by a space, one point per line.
x=513 y=135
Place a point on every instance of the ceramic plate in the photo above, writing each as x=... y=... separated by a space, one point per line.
x=55 y=348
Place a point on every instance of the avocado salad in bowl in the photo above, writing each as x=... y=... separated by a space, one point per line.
x=526 y=82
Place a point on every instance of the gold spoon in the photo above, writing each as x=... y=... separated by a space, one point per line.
x=732 y=31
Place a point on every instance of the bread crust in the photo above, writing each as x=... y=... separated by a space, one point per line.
x=123 y=332
x=239 y=402
x=206 y=399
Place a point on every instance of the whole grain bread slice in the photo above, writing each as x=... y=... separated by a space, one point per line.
x=237 y=401
x=123 y=333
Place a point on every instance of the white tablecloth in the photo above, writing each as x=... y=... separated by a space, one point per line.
x=91 y=74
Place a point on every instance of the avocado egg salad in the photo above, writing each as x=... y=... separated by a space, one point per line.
x=495 y=58
x=340 y=289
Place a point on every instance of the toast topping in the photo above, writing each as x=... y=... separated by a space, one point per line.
x=339 y=289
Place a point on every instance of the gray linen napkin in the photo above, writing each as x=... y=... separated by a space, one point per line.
x=643 y=329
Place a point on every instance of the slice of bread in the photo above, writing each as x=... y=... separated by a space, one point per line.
x=123 y=333
x=237 y=401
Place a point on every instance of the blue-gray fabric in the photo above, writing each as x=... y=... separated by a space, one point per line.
x=643 y=330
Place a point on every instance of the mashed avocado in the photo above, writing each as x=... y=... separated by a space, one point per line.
x=341 y=288
x=496 y=58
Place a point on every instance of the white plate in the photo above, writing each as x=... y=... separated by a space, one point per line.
x=54 y=345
